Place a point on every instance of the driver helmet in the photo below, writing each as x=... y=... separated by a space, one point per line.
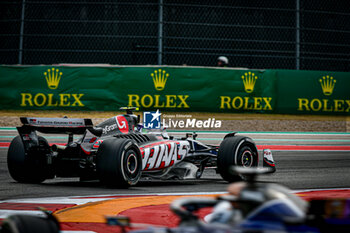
x=222 y=61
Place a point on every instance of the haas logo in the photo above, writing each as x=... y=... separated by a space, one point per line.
x=122 y=124
x=163 y=154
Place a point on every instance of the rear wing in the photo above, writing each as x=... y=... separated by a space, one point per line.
x=55 y=125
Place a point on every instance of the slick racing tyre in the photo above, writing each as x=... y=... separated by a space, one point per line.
x=29 y=224
x=236 y=151
x=27 y=167
x=119 y=162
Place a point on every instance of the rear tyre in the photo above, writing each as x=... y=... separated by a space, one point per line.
x=119 y=162
x=27 y=167
x=29 y=224
x=236 y=151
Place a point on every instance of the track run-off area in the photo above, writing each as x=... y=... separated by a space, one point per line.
x=305 y=161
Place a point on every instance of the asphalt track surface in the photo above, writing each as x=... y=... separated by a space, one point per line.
x=296 y=168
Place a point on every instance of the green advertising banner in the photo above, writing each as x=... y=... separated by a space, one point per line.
x=313 y=92
x=107 y=88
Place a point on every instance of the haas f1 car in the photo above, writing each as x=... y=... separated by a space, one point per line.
x=119 y=151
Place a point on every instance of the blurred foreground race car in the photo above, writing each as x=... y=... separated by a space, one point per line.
x=254 y=207
x=250 y=207
x=119 y=151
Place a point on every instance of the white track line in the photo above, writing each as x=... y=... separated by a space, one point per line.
x=312 y=190
x=79 y=200
x=102 y=197
x=155 y=194
x=86 y=199
x=57 y=200
x=6 y=213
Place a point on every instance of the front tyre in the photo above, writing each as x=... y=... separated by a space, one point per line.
x=236 y=151
x=119 y=162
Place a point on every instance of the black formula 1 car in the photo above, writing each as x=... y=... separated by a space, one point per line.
x=118 y=152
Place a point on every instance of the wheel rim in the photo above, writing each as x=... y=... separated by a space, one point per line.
x=247 y=158
x=131 y=163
